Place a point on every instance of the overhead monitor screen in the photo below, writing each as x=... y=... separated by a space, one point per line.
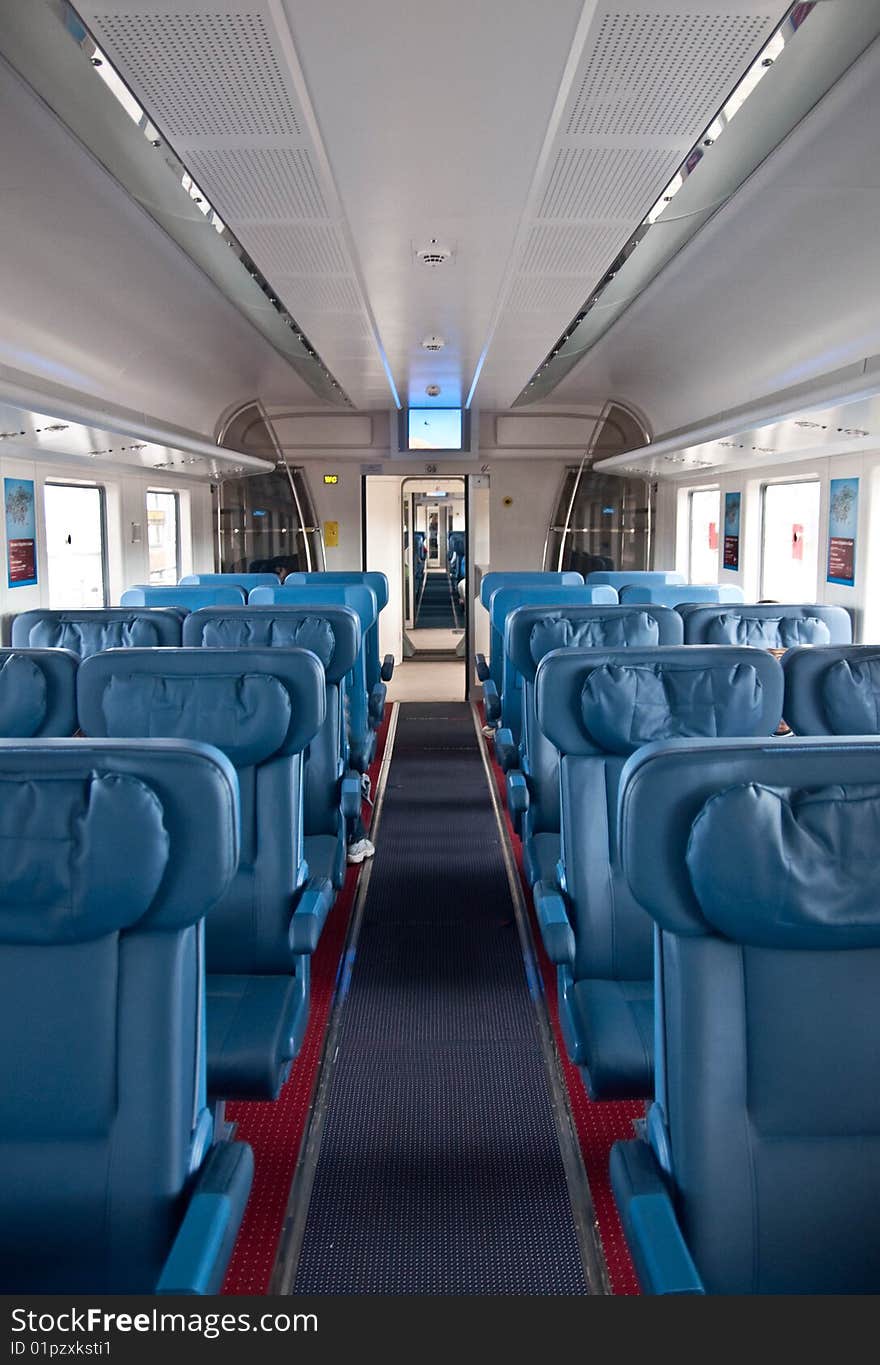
x=434 y=429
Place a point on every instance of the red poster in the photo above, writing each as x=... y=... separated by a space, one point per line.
x=713 y=535
x=841 y=558
x=797 y=541
x=22 y=561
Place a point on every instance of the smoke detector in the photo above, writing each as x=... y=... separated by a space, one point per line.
x=432 y=390
x=433 y=254
x=433 y=343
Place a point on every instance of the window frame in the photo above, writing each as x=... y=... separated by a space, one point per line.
x=175 y=495
x=785 y=483
x=102 y=511
x=704 y=488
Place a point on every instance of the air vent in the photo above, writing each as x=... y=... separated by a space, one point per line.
x=433 y=343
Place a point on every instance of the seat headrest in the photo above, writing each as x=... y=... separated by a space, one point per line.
x=191 y=598
x=505 y=600
x=90 y=630
x=224 y=580
x=532 y=632
x=771 y=843
x=523 y=578
x=355 y=595
x=252 y=704
x=96 y=837
x=333 y=633
x=833 y=691
x=766 y=625
x=593 y=701
x=670 y=595
x=647 y=577
x=37 y=693
x=370 y=578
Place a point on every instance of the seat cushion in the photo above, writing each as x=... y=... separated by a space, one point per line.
x=325 y=855
x=613 y=1022
x=540 y=856
x=255 y=1027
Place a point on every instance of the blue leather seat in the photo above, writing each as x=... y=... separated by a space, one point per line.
x=112 y=856
x=91 y=629
x=332 y=632
x=378 y=671
x=758 y=863
x=833 y=690
x=597 y=707
x=504 y=702
x=530 y=634
x=188 y=597
x=420 y=556
x=514 y=578
x=455 y=554
x=645 y=578
x=365 y=706
x=225 y=580
x=37 y=693
x=766 y=625
x=261 y=707
x=670 y=595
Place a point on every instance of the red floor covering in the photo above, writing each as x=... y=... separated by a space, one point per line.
x=598 y=1125
x=275 y=1131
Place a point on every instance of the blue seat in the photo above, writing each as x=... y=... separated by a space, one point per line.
x=766 y=625
x=645 y=578
x=225 y=580
x=757 y=861
x=378 y=671
x=420 y=556
x=514 y=578
x=91 y=629
x=833 y=690
x=364 y=706
x=261 y=708
x=597 y=707
x=37 y=693
x=188 y=597
x=670 y=595
x=332 y=632
x=455 y=554
x=112 y=856
x=503 y=702
x=531 y=633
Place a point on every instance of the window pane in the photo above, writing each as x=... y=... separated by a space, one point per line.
x=162 y=537
x=790 y=545
x=75 y=546
x=705 y=510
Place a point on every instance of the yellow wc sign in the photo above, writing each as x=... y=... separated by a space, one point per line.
x=331 y=534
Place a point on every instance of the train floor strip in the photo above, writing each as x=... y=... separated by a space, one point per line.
x=439 y=1168
x=436 y=608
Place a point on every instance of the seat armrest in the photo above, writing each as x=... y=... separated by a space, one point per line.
x=482 y=668
x=350 y=794
x=555 y=926
x=200 y=1254
x=386 y=672
x=660 y=1254
x=309 y=917
x=517 y=792
x=491 y=701
x=506 y=750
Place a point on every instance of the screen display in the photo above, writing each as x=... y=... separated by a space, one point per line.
x=434 y=429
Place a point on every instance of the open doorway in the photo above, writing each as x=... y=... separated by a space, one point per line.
x=434 y=541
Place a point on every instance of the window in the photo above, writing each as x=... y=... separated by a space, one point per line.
x=75 y=545
x=704 y=506
x=790 y=541
x=163 y=536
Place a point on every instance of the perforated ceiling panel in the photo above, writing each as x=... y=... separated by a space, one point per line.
x=649 y=80
x=222 y=83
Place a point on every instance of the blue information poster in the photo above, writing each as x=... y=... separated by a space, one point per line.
x=730 y=558
x=21 y=533
x=843 y=522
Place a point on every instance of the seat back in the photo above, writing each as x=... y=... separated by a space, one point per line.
x=37 y=693
x=502 y=602
x=833 y=690
x=766 y=625
x=261 y=708
x=597 y=707
x=672 y=595
x=332 y=633
x=369 y=578
x=225 y=580
x=646 y=578
x=189 y=597
x=758 y=862
x=111 y=856
x=530 y=634
x=91 y=629
x=362 y=599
